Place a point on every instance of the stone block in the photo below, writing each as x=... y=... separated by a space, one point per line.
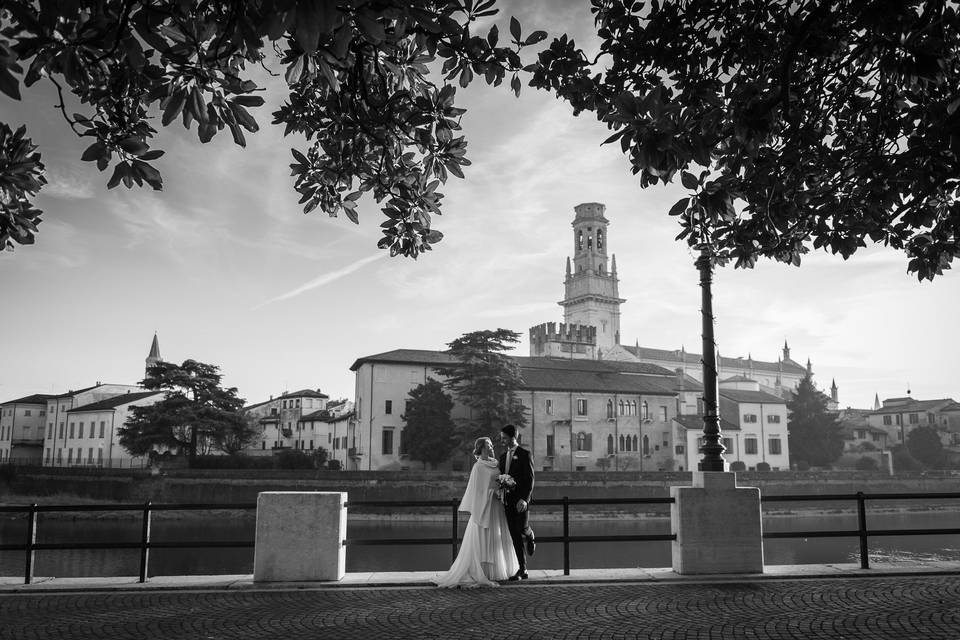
x=718 y=526
x=300 y=536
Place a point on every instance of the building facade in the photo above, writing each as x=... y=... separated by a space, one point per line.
x=897 y=417
x=281 y=421
x=91 y=434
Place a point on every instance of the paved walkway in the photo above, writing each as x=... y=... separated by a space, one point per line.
x=820 y=601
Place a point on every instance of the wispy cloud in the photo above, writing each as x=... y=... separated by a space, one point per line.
x=324 y=279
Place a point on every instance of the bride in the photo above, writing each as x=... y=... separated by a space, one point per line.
x=486 y=553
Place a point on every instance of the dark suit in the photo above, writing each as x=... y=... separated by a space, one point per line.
x=521 y=469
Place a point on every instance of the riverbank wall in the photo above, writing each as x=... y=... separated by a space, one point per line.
x=242 y=486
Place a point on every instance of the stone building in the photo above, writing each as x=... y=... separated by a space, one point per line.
x=281 y=421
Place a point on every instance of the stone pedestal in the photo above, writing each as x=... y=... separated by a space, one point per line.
x=300 y=536
x=717 y=525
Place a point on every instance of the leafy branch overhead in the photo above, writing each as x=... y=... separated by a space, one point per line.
x=360 y=92
x=790 y=123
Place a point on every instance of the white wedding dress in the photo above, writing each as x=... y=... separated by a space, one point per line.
x=486 y=553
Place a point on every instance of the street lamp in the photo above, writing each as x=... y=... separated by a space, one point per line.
x=712 y=448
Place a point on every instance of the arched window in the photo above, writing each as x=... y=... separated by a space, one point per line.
x=635 y=442
x=599 y=238
x=581 y=441
x=579 y=240
x=633 y=408
x=621 y=411
x=646 y=410
x=622 y=448
x=646 y=446
x=610 y=445
x=609 y=408
x=589 y=241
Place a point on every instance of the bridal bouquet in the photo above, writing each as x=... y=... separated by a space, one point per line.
x=505 y=483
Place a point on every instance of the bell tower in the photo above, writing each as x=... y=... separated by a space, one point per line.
x=592 y=296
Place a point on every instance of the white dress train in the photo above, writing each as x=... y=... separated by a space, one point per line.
x=486 y=553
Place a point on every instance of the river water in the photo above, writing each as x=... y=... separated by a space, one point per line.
x=82 y=563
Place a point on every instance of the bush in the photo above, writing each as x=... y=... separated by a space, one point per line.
x=738 y=465
x=235 y=461
x=803 y=465
x=294 y=459
x=334 y=465
x=903 y=461
x=867 y=463
x=763 y=466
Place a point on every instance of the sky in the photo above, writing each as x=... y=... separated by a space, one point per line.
x=226 y=269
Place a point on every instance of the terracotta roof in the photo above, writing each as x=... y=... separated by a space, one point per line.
x=548 y=379
x=678 y=356
x=37 y=398
x=325 y=415
x=441 y=358
x=303 y=393
x=912 y=406
x=695 y=422
x=115 y=401
x=754 y=397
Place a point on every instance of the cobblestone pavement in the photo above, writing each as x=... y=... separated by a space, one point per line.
x=899 y=608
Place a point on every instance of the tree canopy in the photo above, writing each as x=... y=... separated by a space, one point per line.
x=813 y=432
x=358 y=72
x=924 y=445
x=195 y=415
x=790 y=123
x=486 y=380
x=429 y=434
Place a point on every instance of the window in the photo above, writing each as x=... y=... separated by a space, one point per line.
x=387 y=442
x=610 y=409
x=61 y=430
x=887 y=420
x=914 y=418
x=71 y=429
x=774 y=446
x=897 y=418
x=403 y=442
x=622 y=444
x=773 y=418
x=749 y=417
x=90 y=455
x=388 y=407
x=581 y=407
x=46 y=456
x=750 y=446
x=599 y=238
x=610 y=445
x=621 y=408
x=93 y=427
x=548 y=406
x=646 y=446
x=645 y=410
x=875 y=437
x=284 y=404
x=69 y=455
x=49 y=430
x=99 y=456
x=550 y=444
x=298 y=403
x=584 y=441
x=861 y=434
x=678 y=449
x=728 y=444
x=663 y=414
x=26 y=412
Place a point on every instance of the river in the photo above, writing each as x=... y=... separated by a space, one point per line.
x=95 y=562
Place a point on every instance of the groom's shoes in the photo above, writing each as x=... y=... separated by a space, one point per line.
x=519 y=575
x=531 y=544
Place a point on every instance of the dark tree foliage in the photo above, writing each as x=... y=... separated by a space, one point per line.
x=812 y=431
x=924 y=444
x=376 y=117
x=790 y=123
x=486 y=380
x=196 y=413
x=429 y=435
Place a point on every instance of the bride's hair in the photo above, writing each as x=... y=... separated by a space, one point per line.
x=479 y=446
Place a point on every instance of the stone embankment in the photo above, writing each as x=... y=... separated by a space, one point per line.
x=242 y=486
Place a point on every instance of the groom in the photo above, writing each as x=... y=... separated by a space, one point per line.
x=518 y=462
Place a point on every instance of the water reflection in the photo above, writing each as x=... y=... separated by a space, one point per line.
x=105 y=562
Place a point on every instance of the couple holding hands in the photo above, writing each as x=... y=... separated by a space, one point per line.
x=498 y=532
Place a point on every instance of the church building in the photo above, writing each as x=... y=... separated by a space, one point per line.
x=592 y=402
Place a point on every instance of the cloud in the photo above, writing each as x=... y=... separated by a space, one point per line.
x=324 y=279
x=67 y=186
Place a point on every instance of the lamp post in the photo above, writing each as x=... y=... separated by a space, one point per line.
x=712 y=448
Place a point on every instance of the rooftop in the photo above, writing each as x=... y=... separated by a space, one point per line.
x=115 y=401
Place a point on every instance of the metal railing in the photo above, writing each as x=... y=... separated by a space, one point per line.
x=146 y=543
x=862 y=532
